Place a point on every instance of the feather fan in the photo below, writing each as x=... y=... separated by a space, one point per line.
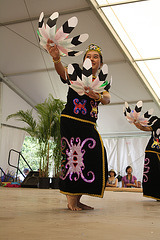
x=98 y=85
x=60 y=36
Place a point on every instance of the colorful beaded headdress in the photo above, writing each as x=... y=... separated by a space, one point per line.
x=94 y=47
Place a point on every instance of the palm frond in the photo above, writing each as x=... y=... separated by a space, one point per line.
x=25 y=116
x=46 y=126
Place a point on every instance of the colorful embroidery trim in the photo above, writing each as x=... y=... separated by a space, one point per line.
x=75 y=164
x=94 y=110
x=155 y=144
x=146 y=169
x=80 y=106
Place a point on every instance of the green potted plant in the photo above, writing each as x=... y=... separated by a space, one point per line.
x=57 y=159
x=45 y=129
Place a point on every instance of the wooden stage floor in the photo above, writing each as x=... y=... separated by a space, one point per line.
x=35 y=214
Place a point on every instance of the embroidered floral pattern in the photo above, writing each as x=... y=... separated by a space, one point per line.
x=75 y=164
x=155 y=144
x=94 y=110
x=80 y=106
x=146 y=169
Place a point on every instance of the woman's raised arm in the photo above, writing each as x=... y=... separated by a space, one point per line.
x=54 y=52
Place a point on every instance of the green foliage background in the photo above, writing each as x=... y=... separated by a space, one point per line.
x=30 y=151
x=45 y=139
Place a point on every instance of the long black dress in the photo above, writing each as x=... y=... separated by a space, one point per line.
x=151 y=173
x=84 y=165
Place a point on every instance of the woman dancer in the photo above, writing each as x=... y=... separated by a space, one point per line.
x=84 y=164
x=151 y=173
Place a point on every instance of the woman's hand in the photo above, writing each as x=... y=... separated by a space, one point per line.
x=131 y=185
x=53 y=50
x=90 y=93
x=105 y=97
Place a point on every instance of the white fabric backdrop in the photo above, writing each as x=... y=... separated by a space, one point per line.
x=11 y=139
x=122 y=152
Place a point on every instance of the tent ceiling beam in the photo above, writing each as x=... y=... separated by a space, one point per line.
x=53 y=69
x=19 y=92
x=71 y=11
x=147 y=59
x=29 y=72
x=10 y=126
x=124 y=134
x=129 y=102
x=120 y=3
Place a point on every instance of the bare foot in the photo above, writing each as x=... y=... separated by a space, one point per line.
x=84 y=206
x=74 y=208
x=72 y=203
x=81 y=205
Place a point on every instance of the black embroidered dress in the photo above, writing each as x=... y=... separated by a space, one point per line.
x=84 y=164
x=151 y=173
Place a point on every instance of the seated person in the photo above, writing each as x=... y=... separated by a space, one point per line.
x=129 y=181
x=25 y=173
x=112 y=181
x=139 y=184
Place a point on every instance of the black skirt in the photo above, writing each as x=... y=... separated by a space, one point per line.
x=84 y=164
x=151 y=174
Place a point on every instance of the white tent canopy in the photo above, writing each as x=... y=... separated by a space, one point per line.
x=28 y=76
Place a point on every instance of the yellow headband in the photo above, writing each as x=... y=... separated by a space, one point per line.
x=94 y=47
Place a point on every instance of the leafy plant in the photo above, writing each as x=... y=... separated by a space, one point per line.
x=30 y=153
x=44 y=128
